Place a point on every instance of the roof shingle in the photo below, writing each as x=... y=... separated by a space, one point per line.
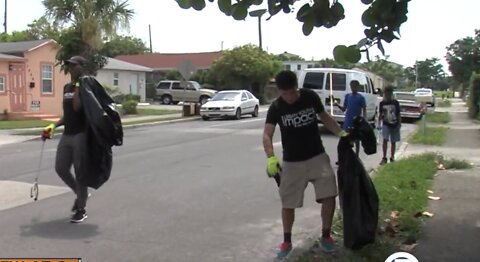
x=158 y=61
x=21 y=47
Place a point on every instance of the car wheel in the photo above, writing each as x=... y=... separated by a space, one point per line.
x=203 y=99
x=205 y=118
x=166 y=99
x=238 y=114
x=255 y=112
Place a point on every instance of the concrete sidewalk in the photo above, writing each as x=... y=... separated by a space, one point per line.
x=453 y=234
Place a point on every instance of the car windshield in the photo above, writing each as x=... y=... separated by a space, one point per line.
x=228 y=96
x=405 y=96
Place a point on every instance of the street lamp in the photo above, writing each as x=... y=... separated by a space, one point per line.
x=259 y=13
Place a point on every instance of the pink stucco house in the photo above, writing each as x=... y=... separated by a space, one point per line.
x=30 y=81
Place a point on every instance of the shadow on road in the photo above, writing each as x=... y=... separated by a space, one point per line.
x=59 y=229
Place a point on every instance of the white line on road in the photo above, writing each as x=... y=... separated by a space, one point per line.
x=238 y=122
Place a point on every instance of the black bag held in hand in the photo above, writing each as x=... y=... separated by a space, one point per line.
x=358 y=198
x=363 y=131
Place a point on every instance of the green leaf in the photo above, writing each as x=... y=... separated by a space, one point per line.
x=368 y=18
x=258 y=13
x=273 y=8
x=185 y=4
x=239 y=11
x=198 y=4
x=307 y=27
x=380 y=47
x=225 y=6
x=303 y=12
x=339 y=53
x=352 y=54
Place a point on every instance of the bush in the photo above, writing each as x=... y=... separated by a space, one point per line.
x=129 y=107
x=474 y=97
x=121 y=98
x=129 y=97
x=150 y=91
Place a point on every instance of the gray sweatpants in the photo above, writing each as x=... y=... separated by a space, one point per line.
x=69 y=152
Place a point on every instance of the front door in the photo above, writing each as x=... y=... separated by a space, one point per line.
x=17 y=87
x=134 y=84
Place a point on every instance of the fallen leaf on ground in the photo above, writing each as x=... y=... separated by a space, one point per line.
x=408 y=248
x=394 y=214
x=434 y=198
x=430 y=191
x=425 y=214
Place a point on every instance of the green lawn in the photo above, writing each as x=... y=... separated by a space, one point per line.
x=439 y=117
x=151 y=112
x=433 y=136
x=14 y=124
x=402 y=187
x=444 y=103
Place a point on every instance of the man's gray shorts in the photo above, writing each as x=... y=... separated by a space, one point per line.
x=296 y=175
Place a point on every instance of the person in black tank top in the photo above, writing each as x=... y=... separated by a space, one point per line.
x=304 y=157
x=72 y=143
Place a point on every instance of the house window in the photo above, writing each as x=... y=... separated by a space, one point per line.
x=115 y=79
x=2 y=84
x=288 y=67
x=299 y=67
x=47 y=79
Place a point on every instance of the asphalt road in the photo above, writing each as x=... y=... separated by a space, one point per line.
x=191 y=191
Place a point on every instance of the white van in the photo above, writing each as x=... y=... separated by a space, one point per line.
x=328 y=82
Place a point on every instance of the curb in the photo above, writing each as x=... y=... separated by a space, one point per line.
x=125 y=126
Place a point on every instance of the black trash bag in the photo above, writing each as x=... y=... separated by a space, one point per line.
x=96 y=168
x=358 y=198
x=100 y=112
x=363 y=131
x=104 y=130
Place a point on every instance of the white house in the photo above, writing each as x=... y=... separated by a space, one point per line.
x=127 y=77
x=296 y=66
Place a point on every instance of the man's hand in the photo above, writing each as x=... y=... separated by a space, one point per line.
x=48 y=132
x=273 y=166
x=342 y=133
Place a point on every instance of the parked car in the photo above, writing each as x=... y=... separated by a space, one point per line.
x=328 y=82
x=410 y=107
x=168 y=91
x=425 y=95
x=232 y=103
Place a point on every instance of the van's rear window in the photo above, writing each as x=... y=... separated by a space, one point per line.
x=339 y=82
x=313 y=80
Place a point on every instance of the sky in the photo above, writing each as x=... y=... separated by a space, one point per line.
x=432 y=25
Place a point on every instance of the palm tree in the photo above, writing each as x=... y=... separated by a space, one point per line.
x=87 y=23
x=95 y=19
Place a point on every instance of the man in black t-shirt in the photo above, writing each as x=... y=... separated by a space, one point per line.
x=390 y=119
x=304 y=157
x=71 y=147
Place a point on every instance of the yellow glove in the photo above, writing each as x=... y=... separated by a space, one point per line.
x=273 y=166
x=342 y=133
x=48 y=132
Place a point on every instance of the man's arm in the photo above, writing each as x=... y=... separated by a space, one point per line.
x=60 y=122
x=268 y=132
x=330 y=123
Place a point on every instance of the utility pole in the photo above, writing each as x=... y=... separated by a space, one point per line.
x=150 y=37
x=416 y=74
x=5 y=23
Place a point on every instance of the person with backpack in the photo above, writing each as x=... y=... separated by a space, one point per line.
x=72 y=144
x=391 y=122
x=304 y=157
